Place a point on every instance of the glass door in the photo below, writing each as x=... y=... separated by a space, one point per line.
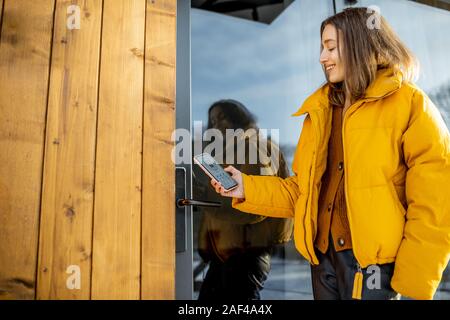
x=256 y=65
x=258 y=61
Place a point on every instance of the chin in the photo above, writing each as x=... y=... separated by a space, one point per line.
x=334 y=79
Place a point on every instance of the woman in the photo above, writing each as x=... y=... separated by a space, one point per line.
x=369 y=195
x=238 y=246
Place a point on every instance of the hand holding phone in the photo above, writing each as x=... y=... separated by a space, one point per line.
x=222 y=182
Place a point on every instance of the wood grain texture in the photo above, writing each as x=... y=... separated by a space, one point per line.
x=158 y=210
x=1 y=15
x=117 y=209
x=68 y=182
x=85 y=183
x=24 y=68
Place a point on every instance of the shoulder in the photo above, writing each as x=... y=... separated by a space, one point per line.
x=420 y=102
x=423 y=113
x=413 y=92
x=407 y=91
x=413 y=99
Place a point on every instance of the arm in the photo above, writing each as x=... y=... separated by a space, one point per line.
x=271 y=196
x=425 y=249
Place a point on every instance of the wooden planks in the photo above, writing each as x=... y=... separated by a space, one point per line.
x=158 y=211
x=117 y=213
x=1 y=11
x=68 y=182
x=24 y=68
x=116 y=147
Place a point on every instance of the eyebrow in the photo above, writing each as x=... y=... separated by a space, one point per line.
x=328 y=40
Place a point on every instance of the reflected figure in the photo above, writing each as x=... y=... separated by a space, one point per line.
x=237 y=245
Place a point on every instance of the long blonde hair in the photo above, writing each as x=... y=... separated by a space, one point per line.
x=364 y=51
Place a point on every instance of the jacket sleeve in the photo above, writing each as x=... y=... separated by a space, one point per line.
x=425 y=249
x=272 y=196
x=268 y=195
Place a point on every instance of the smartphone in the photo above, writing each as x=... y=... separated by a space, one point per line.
x=215 y=171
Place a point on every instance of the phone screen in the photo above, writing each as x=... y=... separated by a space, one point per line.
x=214 y=170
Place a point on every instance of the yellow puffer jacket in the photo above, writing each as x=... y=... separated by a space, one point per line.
x=397 y=175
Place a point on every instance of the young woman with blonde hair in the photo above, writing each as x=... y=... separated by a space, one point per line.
x=372 y=166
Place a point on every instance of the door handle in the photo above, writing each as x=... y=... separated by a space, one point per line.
x=198 y=203
x=181 y=209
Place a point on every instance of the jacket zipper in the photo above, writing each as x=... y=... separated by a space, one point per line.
x=311 y=170
x=346 y=179
x=358 y=283
x=359 y=277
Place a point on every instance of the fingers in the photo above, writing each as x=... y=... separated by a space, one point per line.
x=217 y=186
x=215 y=183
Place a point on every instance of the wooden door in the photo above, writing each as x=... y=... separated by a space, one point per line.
x=87 y=109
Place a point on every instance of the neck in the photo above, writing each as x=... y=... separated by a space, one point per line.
x=347 y=103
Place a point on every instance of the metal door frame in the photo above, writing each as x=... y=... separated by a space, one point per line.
x=183 y=273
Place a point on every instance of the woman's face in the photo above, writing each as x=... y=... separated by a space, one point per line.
x=329 y=57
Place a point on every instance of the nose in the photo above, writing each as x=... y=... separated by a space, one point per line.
x=323 y=57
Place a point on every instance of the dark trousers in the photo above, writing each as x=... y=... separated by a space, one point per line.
x=333 y=278
x=241 y=277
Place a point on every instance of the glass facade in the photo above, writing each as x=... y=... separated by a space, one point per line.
x=272 y=68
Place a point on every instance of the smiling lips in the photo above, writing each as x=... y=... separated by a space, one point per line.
x=331 y=66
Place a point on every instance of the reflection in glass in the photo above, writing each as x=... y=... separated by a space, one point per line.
x=238 y=246
x=270 y=69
